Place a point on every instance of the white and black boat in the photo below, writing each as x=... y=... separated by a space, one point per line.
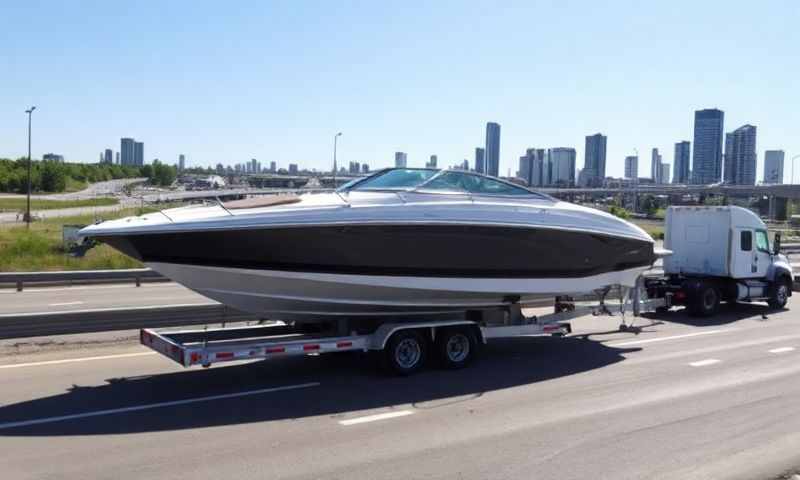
x=399 y=242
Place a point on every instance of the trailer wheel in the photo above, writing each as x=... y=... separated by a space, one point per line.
x=779 y=294
x=704 y=301
x=456 y=347
x=405 y=352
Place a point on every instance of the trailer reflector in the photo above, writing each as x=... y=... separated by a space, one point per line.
x=223 y=355
x=311 y=347
x=275 y=349
x=344 y=344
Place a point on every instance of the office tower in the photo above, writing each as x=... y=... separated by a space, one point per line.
x=433 y=162
x=533 y=167
x=116 y=158
x=663 y=175
x=632 y=167
x=773 y=166
x=181 y=162
x=273 y=167
x=680 y=172
x=707 y=159
x=253 y=165
x=492 y=149
x=740 y=156
x=480 y=160
x=364 y=168
x=108 y=156
x=594 y=162
x=400 y=159
x=655 y=166
x=53 y=157
x=292 y=169
x=126 y=151
x=138 y=154
x=220 y=169
x=561 y=166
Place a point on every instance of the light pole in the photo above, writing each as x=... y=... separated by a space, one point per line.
x=335 y=138
x=28 y=212
x=793 y=159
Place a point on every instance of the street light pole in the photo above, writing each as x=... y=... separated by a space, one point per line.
x=335 y=138
x=28 y=212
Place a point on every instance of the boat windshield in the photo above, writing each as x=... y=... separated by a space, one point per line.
x=395 y=179
x=456 y=181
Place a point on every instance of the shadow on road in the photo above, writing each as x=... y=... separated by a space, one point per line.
x=348 y=383
x=728 y=313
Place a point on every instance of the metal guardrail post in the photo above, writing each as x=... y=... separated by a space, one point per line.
x=138 y=281
x=19 y=286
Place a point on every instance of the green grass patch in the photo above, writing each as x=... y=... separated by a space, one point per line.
x=18 y=204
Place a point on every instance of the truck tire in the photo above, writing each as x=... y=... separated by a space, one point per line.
x=704 y=301
x=456 y=347
x=778 y=294
x=405 y=352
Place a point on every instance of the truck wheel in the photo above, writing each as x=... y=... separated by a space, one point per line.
x=705 y=301
x=779 y=295
x=405 y=352
x=456 y=347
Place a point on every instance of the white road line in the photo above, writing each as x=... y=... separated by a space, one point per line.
x=13 y=291
x=706 y=362
x=375 y=418
x=149 y=406
x=664 y=339
x=108 y=309
x=781 y=350
x=77 y=302
x=76 y=360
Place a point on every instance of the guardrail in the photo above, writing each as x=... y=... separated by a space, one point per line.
x=105 y=320
x=79 y=277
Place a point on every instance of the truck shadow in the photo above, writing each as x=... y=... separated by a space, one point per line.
x=728 y=313
x=348 y=383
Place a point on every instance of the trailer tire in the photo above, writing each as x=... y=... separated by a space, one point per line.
x=779 y=294
x=405 y=352
x=456 y=347
x=704 y=301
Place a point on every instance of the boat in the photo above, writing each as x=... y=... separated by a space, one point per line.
x=402 y=241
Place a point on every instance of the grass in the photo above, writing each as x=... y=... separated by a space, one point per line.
x=41 y=248
x=18 y=204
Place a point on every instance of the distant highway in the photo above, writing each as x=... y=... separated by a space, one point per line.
x=684 y=399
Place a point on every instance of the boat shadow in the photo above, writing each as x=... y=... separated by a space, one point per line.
x=728 y=313
x=348 y=382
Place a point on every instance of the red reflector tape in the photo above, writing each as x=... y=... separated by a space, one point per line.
x=276 y=349
x=195 y=357
x=344 y=344
x=224 y=355
x=311 y=346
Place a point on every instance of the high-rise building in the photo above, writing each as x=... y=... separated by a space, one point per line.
x=773 y=166
x=480 y=160
x=740 y=156
x=465 y=165
x=126 y=151
x=220 y=169
x=108 y=156
x=664 y=174
x=138 y=154
x=680 y=171
x=707 y=159
x=181 y=162
x=364 y=168
x=655 y=166
x=116 y=158
x=561 y=166
x=292 y=169
x=432 y=163
x=594 y=162
x=273 y=167
x=253 y=165
x=632 y=167
x=400 y=159
x=492 y=149
x=533 y=166
x=53 y=157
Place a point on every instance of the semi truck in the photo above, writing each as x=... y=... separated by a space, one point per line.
x=711 y=255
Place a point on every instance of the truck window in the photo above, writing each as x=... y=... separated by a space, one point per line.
x=762 y=241
x=747 y=240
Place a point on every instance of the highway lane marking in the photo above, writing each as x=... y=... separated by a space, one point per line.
x=375 y=418
x=150 y=406
x=63 y=304
x=108 y=309
x=704 y=363
x=88 y=287
x=664 y=339
x=76 y=360
x=781 y=350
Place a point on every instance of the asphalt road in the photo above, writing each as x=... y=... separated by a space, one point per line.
x=682 y=399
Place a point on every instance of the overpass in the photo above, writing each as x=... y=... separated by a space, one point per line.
x=780 y=191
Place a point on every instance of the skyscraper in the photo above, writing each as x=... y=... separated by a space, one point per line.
x=138 y=154
x=532 y=167
x=561 y=166
x=273 y=167
x=680 y=170
x=400 y=159
x=740 y=156
x=707 y=160
x=432 y=163
x=655 y=166
x=480 y=160
x=664 y=174
x=108 y=157
x=773 y=166
x=492 y=149
x=594 y=161
x=126 y=151
x=632 y=167
x=117 y=158
x=181 y=162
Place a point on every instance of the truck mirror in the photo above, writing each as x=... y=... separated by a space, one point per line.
x=777 y=243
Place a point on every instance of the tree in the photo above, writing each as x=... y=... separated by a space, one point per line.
x=53 y=177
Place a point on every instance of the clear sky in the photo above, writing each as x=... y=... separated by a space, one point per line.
x=229 y=81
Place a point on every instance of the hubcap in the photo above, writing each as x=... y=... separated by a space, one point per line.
x=782 y=293
x=457 y=347
x=408 y=353
x=709 y=298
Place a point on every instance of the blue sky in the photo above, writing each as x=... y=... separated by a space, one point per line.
x=229 y=81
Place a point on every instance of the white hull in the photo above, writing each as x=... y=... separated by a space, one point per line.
x=295 y=295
